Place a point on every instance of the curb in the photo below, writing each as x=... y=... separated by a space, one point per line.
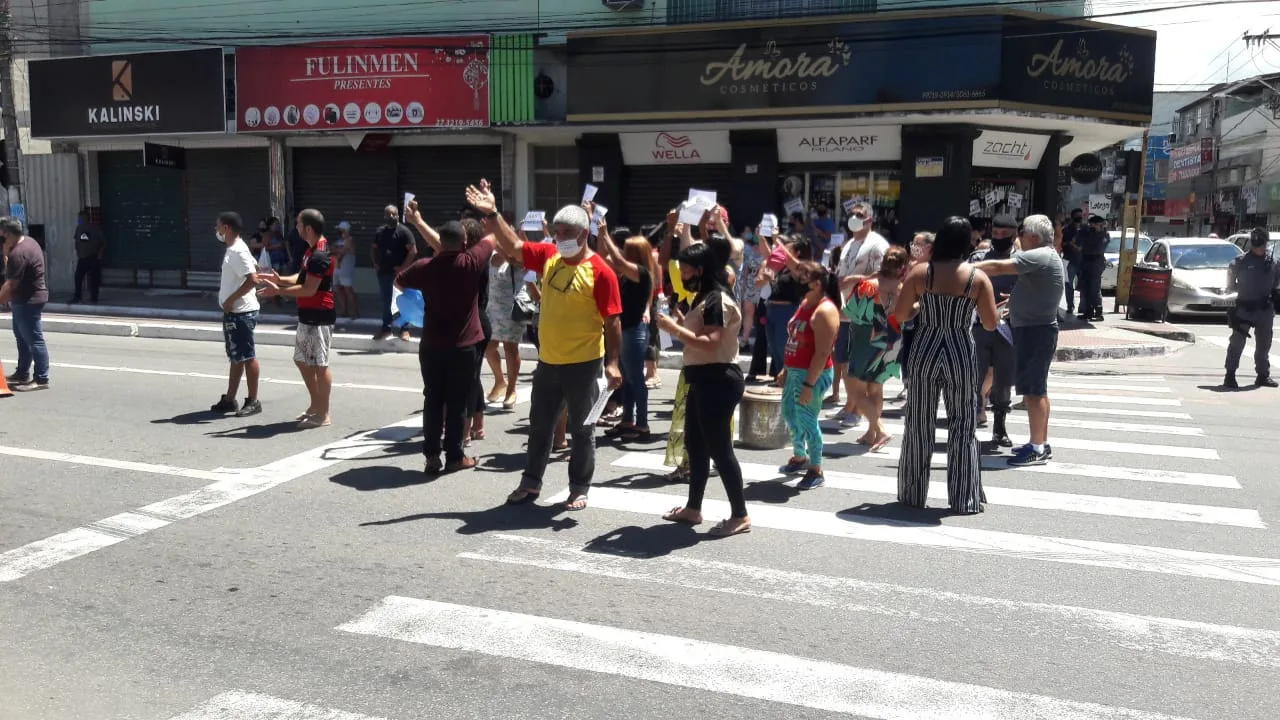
x=1164 y=332
x=280 y=337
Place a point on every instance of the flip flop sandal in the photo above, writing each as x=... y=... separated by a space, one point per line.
x=881 y=443
x=618 y=431
x=722 y=529
x=576 y=503
x=674 y=516
x=522 y=497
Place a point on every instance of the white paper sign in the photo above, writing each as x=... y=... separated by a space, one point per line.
x=691 y=212
x=1099 y=204
x=975 y=207
x=533 y=221
x=597 y=217
x=589 y=193
x=793 y=206
x=1015 y=199
x=598 y=409
x=408 y=198
x=665 y=341
x=707 y=197
x=597 y=173
x=837 y=239
x=848 y=205
x=992 y=198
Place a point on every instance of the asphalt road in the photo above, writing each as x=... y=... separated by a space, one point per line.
x=158 y=563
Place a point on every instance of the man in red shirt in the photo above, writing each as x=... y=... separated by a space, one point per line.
x=579 y=335
x=453 y=340
x=312 y=287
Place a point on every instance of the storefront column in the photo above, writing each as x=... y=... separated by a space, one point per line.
x=1045 y=200
x=508 y=182
x=755 y=176
x=600 y=163
x=931 y=194
x=277 y=179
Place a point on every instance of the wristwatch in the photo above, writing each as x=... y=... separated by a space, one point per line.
x=808 y=385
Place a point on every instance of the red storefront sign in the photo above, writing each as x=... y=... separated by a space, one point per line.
x=1154 y=208
x=1180 y=207
x=364 y=84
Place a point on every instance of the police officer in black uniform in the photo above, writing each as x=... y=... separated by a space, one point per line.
x=994 y=350
x=1255 y=277
x=1093 y=247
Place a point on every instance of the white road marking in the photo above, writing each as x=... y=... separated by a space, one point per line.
x=1141 y=428
x=1141 y=558
x=232 y=486
x=1077 y=385
x=1142 y=634
x=72 y=459
x=251 y=706
x=1117 y=412
x=700 y=665
x=1012 y=497
x=1106 y=446
x=1246 y=358
x=1115 y=399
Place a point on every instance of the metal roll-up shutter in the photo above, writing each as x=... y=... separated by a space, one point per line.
x=652 y=190
x=346 y=185
x=439 y=175
x=143 y=213
x=217 y=181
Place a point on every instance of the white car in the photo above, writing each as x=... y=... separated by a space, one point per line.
x=1111 y=272
x=1241 y=240
x=1199 y=273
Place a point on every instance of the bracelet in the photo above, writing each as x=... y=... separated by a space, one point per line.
x=808 y=385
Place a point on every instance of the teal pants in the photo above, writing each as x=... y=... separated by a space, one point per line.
x=802 y=420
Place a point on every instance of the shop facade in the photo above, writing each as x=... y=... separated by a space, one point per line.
x=872 y=108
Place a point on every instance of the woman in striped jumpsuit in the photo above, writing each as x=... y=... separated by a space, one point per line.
x=942 y=295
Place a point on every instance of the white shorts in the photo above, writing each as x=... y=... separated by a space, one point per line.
x=345 y=276
x=311 y=345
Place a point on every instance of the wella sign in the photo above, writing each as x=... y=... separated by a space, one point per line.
x=676 y=147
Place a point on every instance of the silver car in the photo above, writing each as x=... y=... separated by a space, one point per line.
x=1112 y=271
x=1199 y=282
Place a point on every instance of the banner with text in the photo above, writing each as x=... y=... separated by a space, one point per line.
x=846 y=143
x=1003 y=149
x=703 y=147
x=364 y=84
x=1184 y=162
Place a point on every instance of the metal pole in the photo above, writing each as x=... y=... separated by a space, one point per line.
x=8 y=109
x=1132 y=217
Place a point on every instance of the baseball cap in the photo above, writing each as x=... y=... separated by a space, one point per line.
x=344 y=225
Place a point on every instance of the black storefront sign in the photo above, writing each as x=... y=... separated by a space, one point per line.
x=794 y=69
x=140 y=94
x=165 y=156
x=1079 y=66
x=1085 y=168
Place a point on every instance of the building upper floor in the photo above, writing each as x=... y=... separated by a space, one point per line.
x=71 y=27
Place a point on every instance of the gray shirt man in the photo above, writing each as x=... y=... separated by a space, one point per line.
x=1036 y=295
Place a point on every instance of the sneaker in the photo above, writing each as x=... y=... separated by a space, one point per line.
x=251 y=407
x=16 y=379
x=30 y=386
x=1026 y=456
x=851 y=420
x=225 y=405
x=1266 y=382
x=812 y=479
x=794 y=466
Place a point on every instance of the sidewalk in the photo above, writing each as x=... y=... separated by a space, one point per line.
x=185 y=315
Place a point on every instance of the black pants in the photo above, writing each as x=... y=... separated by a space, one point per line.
x=88 y=268
x=1090 y=284
x=714 y=393
x=448 y=378
x=760 y=351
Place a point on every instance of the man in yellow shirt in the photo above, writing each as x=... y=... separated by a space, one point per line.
x=579 y=331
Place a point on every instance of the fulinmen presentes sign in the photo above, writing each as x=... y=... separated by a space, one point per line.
x=159 y=93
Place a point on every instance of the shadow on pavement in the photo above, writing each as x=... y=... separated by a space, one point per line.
x=200 y=417
x=503 y=518
x=380 y=477
x=634 y=541
x=894 y=513
x=260 y=432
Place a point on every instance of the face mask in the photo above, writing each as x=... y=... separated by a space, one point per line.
x=692 y=284
x=856 y=224
x=568 y=248
x=1001 y=244
x=221 y=238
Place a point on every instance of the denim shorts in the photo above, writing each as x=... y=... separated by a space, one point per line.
x=843 y=346
x=237 y=335
x=1034 y=347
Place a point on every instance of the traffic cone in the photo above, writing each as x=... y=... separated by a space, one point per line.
x=4 y=384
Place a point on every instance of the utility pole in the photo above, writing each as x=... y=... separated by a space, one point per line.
x=9 y=109
x=1131 y=218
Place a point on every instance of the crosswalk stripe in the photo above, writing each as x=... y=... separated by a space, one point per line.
x=1012 y=497
x=1107 y=446
x=1106 y=378
x=1077 y=385
x=1115 y=399
x=1118 y=412
x=1142 y=558
x=1141 y=428
x=252 y=706
x=1136 y=633
x=1246 y=358
x=700 y=665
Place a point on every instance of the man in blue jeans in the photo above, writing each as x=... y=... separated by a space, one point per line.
x=394 y=249
x=25 y=290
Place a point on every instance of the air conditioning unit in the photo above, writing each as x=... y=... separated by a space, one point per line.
x=621 y=5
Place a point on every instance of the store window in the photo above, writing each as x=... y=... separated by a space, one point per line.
x=555 y=178
x=990 y=197
x=879 y=188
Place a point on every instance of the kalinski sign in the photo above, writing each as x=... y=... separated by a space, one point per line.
x=380 y=84
x=839 y=144
x=142 y=94
x=676 y=148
